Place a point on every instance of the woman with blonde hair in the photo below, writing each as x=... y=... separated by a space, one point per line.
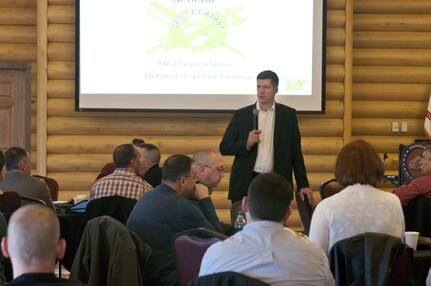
x=360 y=207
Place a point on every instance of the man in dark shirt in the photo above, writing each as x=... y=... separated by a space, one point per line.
x=33 y=243
x=167 y=210
x=150 y=170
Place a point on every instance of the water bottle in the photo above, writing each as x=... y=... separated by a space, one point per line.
x=240 y=221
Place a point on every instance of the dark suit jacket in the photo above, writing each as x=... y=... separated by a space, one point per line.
x=287 y=149
x=26 y=185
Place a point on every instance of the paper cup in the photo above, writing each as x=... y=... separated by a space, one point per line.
x=411 y=238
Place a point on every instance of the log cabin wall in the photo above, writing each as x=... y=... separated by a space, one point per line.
x=391 y=73
x=377 y=64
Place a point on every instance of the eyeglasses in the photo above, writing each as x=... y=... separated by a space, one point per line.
x=218 y=169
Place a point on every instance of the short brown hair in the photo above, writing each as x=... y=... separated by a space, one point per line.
x=358 y=162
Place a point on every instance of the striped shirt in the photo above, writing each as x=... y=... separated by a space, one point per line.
x=122 y=182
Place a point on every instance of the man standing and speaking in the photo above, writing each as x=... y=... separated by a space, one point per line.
x=265 y=138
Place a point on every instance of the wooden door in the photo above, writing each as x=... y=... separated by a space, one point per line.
x=15 y=105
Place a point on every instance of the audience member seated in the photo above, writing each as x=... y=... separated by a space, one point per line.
x=360 y=207
x=124 y=181
x=2 y=161
x=18 y=178
x=420 y=186
x=166 y=210
x=33 y=243
x=109 y=168
x=264 y=249
x=210 y=172
x=150 y=170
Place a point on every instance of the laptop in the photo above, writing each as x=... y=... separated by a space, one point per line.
x=78 y=208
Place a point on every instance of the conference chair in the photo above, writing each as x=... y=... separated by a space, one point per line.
x=417 y=215
x=371 y=259
x=30 y=200
x=52 y=186
x=329 y=188
x=227 y=278
x=9 y=202
x=190 y=247
x=117 y=207
x=234 y=209
x=110 y=254
x=305 y=212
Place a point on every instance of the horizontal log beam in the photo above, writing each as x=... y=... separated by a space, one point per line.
x=336 y=4
x=392 y=57
x=392 y=22
x=389 y=109
x=61 y=70
x=18 y=16
x=392 y=7
x=336 y=19
x=397 y=40
x=335 y=36
x=61 y=33
x=392 y=74
x=61 y=51
x=391 y=91
x=17 y=34
x=335 y=73
x=335 y=55
x=61 y=14
x=18 y=52
x=18 y=3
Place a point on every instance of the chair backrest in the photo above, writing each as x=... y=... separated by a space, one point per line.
x=417 y=215
x=52 y=186
x=234 y=209
x=9 y=202
x=329 y=188
x=305 y=212
x=29 y=200
x=227 y=278
x=190 y=247
x=110 y=254
x=371 y=259
x=117 y=207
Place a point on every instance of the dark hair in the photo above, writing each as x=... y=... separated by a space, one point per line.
x=123 y=155
x=153 y=151
x=175 y=167
x=14 y=157
x=269 y=75
x=358 y=162
x=137 y=141
x=269 y=197
x=2 y=160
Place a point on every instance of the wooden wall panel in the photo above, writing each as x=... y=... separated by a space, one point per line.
x=392 y=71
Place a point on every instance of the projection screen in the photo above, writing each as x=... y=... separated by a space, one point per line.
x=185 y=55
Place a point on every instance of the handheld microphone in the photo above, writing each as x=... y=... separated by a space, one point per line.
x=255 y=118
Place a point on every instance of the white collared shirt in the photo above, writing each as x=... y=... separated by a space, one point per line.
x=269 y=252
x=265 y=148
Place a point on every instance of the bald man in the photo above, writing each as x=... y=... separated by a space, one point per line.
x=33 y=244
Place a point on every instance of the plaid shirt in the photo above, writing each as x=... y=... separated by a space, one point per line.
x=122 y=182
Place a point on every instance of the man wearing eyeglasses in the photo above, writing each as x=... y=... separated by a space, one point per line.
x=209 y=167
x=168 y=209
